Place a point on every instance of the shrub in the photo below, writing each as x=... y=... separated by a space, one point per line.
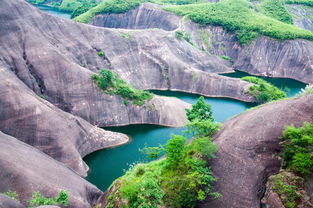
x=285 y=186
x=38 y=199
x=112 y=84
x=304 y=2
x=263 y=91
x=200 y=111
x=227 y=58
x=276 y=10
x=12 y=194
x=298 y=149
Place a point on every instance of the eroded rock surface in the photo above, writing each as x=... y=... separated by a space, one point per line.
x=146 y=16
x=35 y=121
x=302 y=15
x=265 y=56
x=248 y=150
x=25 y=169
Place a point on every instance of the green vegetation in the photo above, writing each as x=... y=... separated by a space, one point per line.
x=109 y=6
x=121 y=6
x=38 y=199
x=298 y=149
x=77 y=7
x=275 y=9
x=101 y=53
x=177 y=180
x=183 y=35
x=200 y=111
x=205 y=39
x=304 y=2
x=287 y=186
x=111 y=83
x=263 y=91
x=297 y=163
x=239 y=17
x=227 y=58
x=12 y=194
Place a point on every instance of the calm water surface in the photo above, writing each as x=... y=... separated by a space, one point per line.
x=54 y=11
x=292 y=87
x=107 y=165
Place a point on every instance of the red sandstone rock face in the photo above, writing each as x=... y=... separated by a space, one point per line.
x=248 y=151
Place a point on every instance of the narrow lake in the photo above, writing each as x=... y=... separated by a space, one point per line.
x=109 y=164
x=54 y=11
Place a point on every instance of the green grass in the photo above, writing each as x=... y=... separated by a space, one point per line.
x=122 y=6
x=109 y=6
x=227 y=58
x=263 y=91
x=275 y=9
x=238 y=16
x=77 y=7
x=110 y=83
x=304 y=2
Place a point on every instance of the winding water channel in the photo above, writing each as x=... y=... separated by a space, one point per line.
x=108 y=164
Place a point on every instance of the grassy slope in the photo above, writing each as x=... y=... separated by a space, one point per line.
x=275 y=9
x=121 y=6
x=238 y=16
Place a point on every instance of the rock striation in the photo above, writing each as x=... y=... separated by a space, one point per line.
x=264 y=56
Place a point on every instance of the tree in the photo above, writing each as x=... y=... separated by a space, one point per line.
x=175 y=150
x=200 y=111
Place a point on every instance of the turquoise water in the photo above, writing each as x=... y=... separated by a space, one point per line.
x=54 y=11
x=107 y=165
x=291 y=86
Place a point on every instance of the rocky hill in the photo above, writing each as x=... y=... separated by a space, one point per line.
x=51 y=109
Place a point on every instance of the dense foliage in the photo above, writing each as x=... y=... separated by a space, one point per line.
x=200 y=111
x=177 y=180
x=275 y=9
x=297 y=163
x=121 y=6
x=263 y=91
x=304 y=2
x=109 y=6
x=112 y=84
x=298 y=149
x=238 y=16
x=77 y=7
x=38 y=199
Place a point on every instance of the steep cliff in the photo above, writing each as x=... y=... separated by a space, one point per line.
x=33 y=120
x=248 y=150
x=264 y=56
x=302 y=16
